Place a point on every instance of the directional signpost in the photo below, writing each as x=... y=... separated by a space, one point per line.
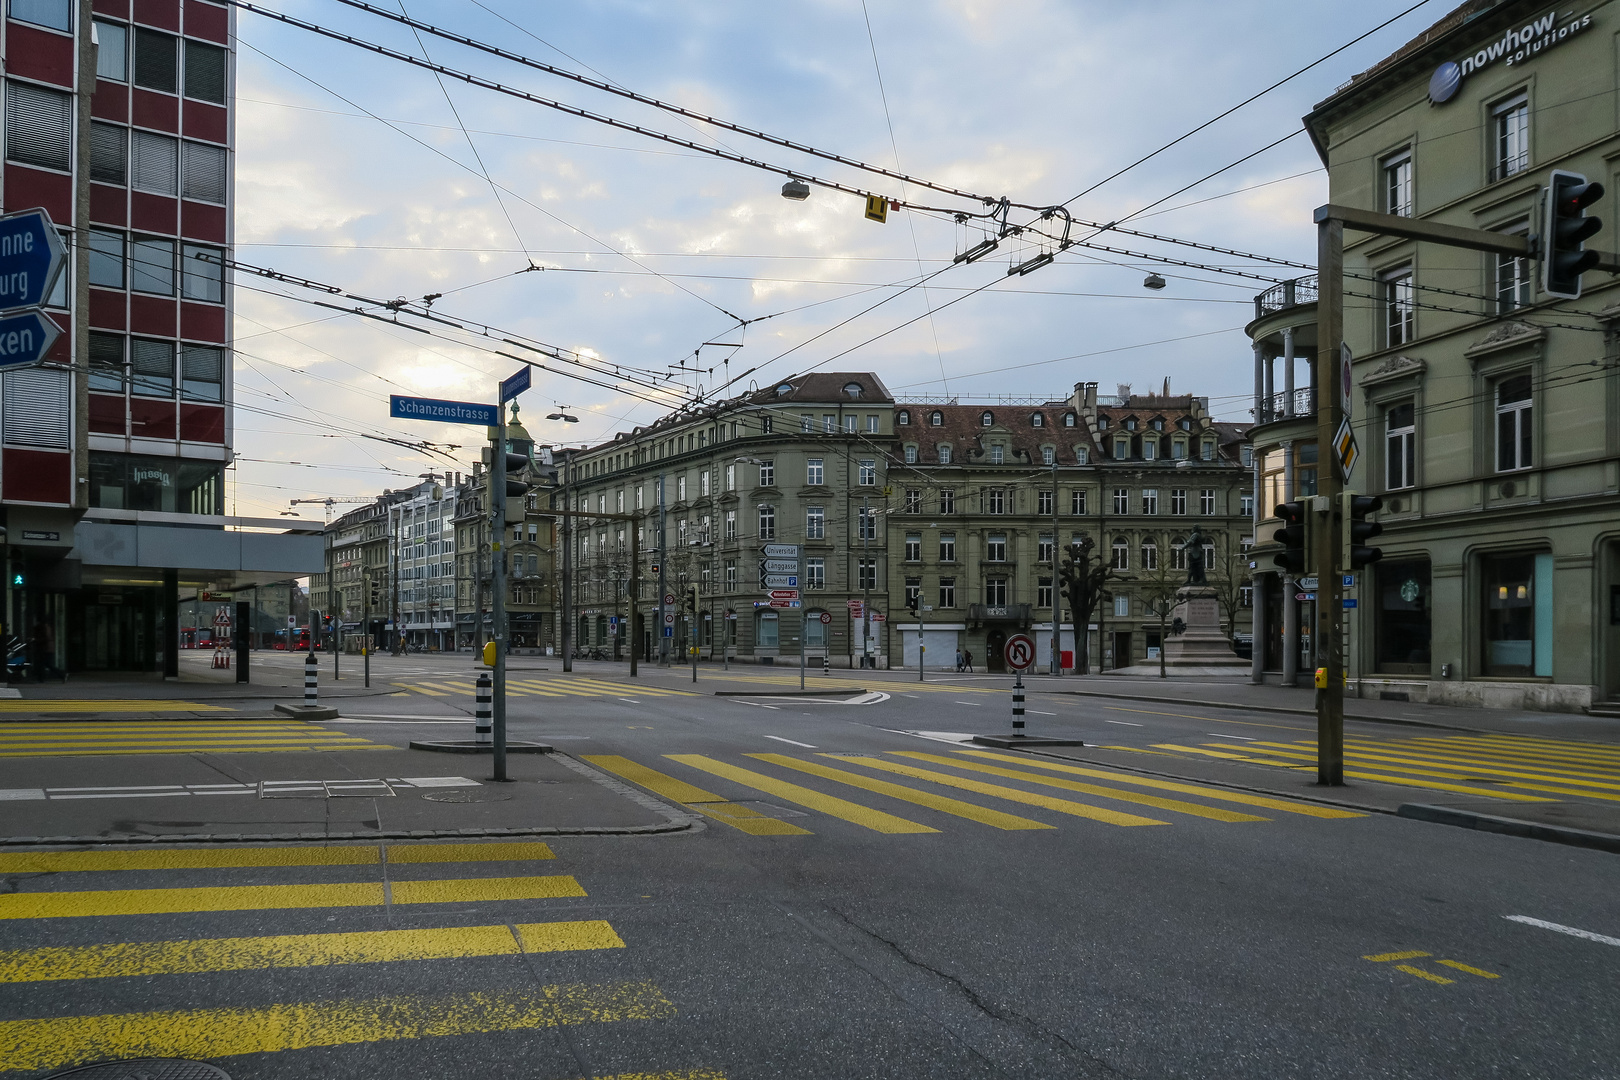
x=515 y=384
x=446 y=412
x=25 y=338
x=31 y=259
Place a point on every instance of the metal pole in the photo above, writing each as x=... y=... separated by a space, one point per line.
x=242 y=639
x=484 y=712
x=396 y=523
x=866 y=586
x=629 y=632
x=921 y=648
x=337 y=642
x=568 y=563
x=804 y=625
x=1018 y=701
x=366 y=640
x=311 y=693
x=1057 y=593
x=663 y=642
x=497 y=552
x=1327 y=539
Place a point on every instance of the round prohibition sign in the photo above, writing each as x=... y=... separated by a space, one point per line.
x=1020 y=651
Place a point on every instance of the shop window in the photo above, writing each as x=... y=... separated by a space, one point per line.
x=1402 y=618
x=1517 y=634
x=766 y=630
x=170 y=485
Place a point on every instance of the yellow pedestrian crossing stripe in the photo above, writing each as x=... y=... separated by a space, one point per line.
x=56 y=862
x=70 y=739
x=108 y=705
x=1509 y=767
x=552 y=688
x=948 y=773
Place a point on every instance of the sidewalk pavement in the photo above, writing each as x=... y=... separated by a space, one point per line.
x=374 y=792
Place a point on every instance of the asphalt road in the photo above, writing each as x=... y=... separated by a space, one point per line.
x=820 y=925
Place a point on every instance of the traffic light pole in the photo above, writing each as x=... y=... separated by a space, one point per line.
x=366 y=639
x=497 y=559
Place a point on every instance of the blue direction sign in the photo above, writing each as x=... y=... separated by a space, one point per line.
x=25 y=338
x=515 y=384
x=31 y=256
x=446 y=412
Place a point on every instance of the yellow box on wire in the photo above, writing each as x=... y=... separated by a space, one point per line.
x=877 y=208
x=489 y=654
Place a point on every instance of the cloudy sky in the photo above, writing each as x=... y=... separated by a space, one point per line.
x=364 y=173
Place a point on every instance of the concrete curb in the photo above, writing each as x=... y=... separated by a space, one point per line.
x=855 y=692
x=1530 y=830
x=469 y=746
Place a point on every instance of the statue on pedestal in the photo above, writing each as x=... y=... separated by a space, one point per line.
x=1195 y=558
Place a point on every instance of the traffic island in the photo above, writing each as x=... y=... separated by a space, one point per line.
x=308 y=712
x=1020 y=655
x=1023 y=742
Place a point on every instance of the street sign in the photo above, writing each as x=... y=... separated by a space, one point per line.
x=855 y=605
x=31 y=257
x=1345 y=449
x=826 y=617
x=515 y=384
x=1346 y=386
x=669 y=598
x=1020 y=651
x=1349 y=581
x=877 y=616
x=1350 y=602
x=1304 y=596
x=669 y=618
x=781 y=551
x=928 y=607
x=779 y=581
x=446 y=412
x=292 y=620
x=1306 y=583
x=784 y=594
x=25 y=338
x=669 y=631
x=779 y=566
x=784 y=603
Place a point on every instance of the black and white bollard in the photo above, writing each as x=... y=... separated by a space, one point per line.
x=484 y=714
x=310 y=701
x=1018 y=705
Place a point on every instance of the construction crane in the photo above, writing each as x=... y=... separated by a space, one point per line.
x=329 y=502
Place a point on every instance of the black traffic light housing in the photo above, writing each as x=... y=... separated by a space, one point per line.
x=374 y=593
x=1565 y=229
x=914 y=601
x=1293 y=536
x=691 y=598
x=517 y=490
x=1353 y=511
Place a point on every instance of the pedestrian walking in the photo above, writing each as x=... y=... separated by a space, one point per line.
x=967 y=658
x=959 y=660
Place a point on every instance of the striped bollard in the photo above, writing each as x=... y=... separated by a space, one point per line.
x=484 y=714
x=1018 y=705
x=310 y=701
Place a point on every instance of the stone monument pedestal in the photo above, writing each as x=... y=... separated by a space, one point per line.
x=1202 y=644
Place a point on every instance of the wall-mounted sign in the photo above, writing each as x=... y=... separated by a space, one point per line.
x=1515 y=47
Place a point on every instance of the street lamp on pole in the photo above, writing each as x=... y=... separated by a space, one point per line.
x=566 y=637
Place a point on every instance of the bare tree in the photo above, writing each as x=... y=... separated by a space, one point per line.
x=1082 y=583
x=1159 y=589
x=1230 y=577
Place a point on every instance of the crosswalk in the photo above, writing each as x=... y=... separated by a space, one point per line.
x=465 y=686
x=1123 y=799
x=1515 y=768
x=105 y=705
x=492 y=900
x=90 y=739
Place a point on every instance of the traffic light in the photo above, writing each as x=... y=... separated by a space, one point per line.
x=1564 y=257
x=1294 y=535
x=691 y=598
x=374 y=593
x=517 y=490
x=913 y=600
x=1353 y=511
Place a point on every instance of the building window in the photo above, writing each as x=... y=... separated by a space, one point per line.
x=829 y=423
x=995 y=501
x=107 y=258
x=1400 y=441
x=153 y=367
x=807 y=423
x=1246 y=505
x=731 y=482
x=1206 y=501
x=1068 y=419
x=947 y=500
x=944 y=453
x=936 y=419
x=814 y=472
x=156 y=58
x=1178 y=553
x=913 y=503
x=913 y=547
x=156 y=161
x=1512 y=277
x=1150 y=554
x=995 y=547
x=1150 y=501
x=1043 y=503
x=56 y=14
x=1122 y=607
x=1513 y=409
x=202 y=273
x=986 y=419
x=815 y=573
x=1102 y=423
x=765 y=426
x=202 y=176
x=107 y=362
x=731 y=524
x=871 y=425
x=1048 y=455
x=866 y=570
x=1178 y=500
x=914 y=592
x=680 y=494
x=995 y=592
x=868 y=473
x=1122 y=502
x=815 y=523
x=1077 y=502
x=947 y=592
x=947 y=547
x=39 y=126
x=109 y=153
x=1120 y=554
x=1037 y=420
x=1397 y=169
x=1043 y=592
x=112 y=50
x=169 y=485
x=202 y=372
x=1044 y=548
x=205 y=72
x=911 y=454
x=766 y=634
x=1246 y=455
x=1395 y=288
x=1178 y=449
x=903 y=417
x=1208 y=451
x=1518 y=614
x=767 y=474
x=1150 y=449
x=767 y=523
x=997 y=454
x=1402 y=619
x=849 y=423
x=866 y=524
x=1510 y=121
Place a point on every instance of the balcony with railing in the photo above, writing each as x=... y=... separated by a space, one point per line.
x=1284 y=295
x=1278 y=406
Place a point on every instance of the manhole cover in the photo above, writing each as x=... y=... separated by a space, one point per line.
x=146 y=1069
x=466 y=796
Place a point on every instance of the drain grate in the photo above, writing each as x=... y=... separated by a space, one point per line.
x=146 y=1069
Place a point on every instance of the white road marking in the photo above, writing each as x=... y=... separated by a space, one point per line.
x=1601 y=939
x=1037 y=712
x=779 y=738
x=631 y=700
x=975 y=704
x=957 y=737
x=1122 y=723
x=392 y=721
x=1218 y=735
x=273 y=786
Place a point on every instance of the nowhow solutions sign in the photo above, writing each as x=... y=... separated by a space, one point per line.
x=1515 y=46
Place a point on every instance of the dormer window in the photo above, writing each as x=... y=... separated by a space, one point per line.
x=784 y=390
x=852 y=389
x=1158 y=425
x=904 y=417
x=1068 y=419
x=997 y=454
x=1184 y=424
x=1130 y=425
x=1037 y=420
x=1102 y=423
x=936 y=418
x=986 y=419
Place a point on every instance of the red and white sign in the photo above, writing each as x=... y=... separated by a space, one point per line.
x=826 y=617
x=669 y=598
x=856 y=605
x=1020 y=651
x=877 y=616
x=784 y=594
x=784 y=603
